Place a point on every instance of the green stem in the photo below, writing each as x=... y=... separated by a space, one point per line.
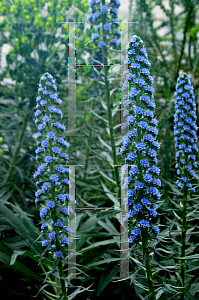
x=109 y=108
x=63 y=288
x=183 y=237
x=146 y=259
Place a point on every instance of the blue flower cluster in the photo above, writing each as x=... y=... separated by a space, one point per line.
x=109 y=13
x=104 y=21
x=51 y=181
x=185 y=132
x=140 y=148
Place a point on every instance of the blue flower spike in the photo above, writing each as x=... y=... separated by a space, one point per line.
x=185 y=132
x=51 y=176
x=139 y=150
x=104 y=20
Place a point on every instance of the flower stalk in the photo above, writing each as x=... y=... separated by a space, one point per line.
x=105 y=18
x=139 y=149
x=52 y=183
x=186 y=138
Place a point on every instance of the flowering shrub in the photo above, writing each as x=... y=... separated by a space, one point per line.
x=140 y=144
x=51 y=177
x=185 y=132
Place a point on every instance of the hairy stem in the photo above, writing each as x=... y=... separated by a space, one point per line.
x=63 y=288
x=183 y=237
x=146 y=259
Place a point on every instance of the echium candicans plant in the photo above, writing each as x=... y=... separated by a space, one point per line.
x=104 y=22
x=139 y=150
x=185 y=132
x=51 y=177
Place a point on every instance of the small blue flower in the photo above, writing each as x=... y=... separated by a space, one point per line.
x=115 y=42
x=140 y=146
x=143 y=124
x=64 y=210
x=94 y=37
x=54 y=178
x=114 y=11
x=48 y=159
x=145 y=201
x=144 y=163
x=148 y=178
x=43 y=212
x=45 y=243
x=44 y=143
x=95 y=16
x=46 y=186
x=58 y=254
x=59 y=224
x=43 y=102
x=151 y=152
x=134 y=170
x=156 y=229
x=101 y=44
x=104 y=9
x=51 y=204
x=138 y=110
x=135 y=66
x=56 y=150
x=64 y=240
x=144 y=223
x=41 y=127
x=61 y=197
x=52 y=235
x=139 y=185
x=54 y=96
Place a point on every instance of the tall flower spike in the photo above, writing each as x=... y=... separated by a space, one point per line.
x=140 y=144
x=101 y=13
x=185 y=132
x=186 y=138
x=51 y=176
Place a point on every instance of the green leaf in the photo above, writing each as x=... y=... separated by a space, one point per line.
x=195 y=256
x=89 y=224
x=103 y=142
x=99 y=116
x=108 y=226
x=106 y=277
x=110 y=195
x=107 y=177
x=14 y=256
x=19 y=267
x=138 y=263
x=159 y=293
x=20 y=228
x=173 y=187
x=99 y=244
